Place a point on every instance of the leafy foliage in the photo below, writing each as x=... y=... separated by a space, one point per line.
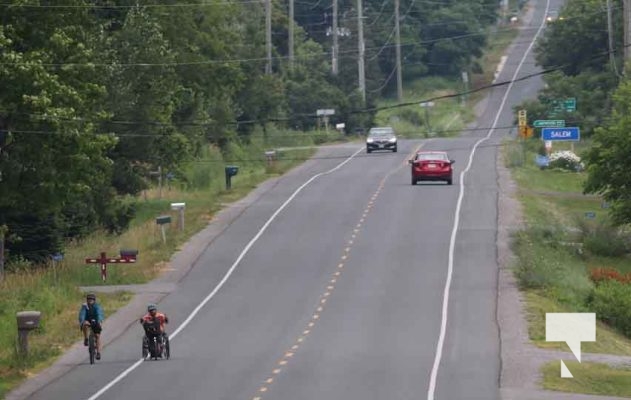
x=101 y=99
x=608 y=160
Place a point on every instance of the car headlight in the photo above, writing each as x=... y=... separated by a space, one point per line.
x=392 y=140
x=369 y=140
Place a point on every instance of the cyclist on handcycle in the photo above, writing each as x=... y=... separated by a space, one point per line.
x=157 y=318
x=91 y=311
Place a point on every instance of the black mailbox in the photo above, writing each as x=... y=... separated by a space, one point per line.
x=231 y=170
x=129 y=253
x=28 y=320
x=163 y=219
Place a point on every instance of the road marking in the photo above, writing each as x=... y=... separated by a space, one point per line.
x=445 y=307
x=337 y=273
x=223 y=281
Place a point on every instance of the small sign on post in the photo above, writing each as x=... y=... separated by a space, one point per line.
x=325 y=113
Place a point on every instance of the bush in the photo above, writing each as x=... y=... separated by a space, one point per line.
x=611 y=301
x=566 y=160
x=412 y=117
x=603 y=240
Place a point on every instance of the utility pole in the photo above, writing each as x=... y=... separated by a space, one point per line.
x=398 y=40
x=334 y=61
x=268 y=35
x=360 y=38
x=291 y=34
x=612 y=56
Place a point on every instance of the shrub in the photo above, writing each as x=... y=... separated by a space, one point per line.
x=611 y=301
x=412 y=117
x=566 y=160
x=603 y=240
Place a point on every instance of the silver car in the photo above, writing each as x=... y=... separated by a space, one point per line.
x=381 y=138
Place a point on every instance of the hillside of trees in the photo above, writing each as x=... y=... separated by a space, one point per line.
x=96 y=94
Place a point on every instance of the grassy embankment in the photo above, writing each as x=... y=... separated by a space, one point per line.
x=567 y=235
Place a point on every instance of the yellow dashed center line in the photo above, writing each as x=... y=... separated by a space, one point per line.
x=337 y=273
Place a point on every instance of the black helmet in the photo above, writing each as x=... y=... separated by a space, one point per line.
x=90 y=296
x=151 y=307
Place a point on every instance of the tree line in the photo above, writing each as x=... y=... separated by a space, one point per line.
x=96 y=94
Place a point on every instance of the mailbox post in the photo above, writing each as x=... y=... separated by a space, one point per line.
x=162 y=221
x=231 y=170
x=270 y=157
x=180 y=207
x=27 y=321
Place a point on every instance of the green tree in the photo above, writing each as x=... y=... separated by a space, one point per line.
x=142 y=89
x=608 y=161
x=578 y=42
x=52 y=155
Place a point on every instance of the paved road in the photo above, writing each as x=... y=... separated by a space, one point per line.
x=341 y=295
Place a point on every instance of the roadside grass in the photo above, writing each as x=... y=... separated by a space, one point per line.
x=411 y=121
x=589 y=378
x=554 y=262
x=538 y=303
x=55 y=291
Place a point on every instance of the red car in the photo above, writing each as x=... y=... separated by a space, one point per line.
x=432 y=166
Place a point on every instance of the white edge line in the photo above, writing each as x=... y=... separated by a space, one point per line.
x=452 y=241
x=226 y=276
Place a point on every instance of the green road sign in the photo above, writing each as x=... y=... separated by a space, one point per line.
x=560 y=105
x=549 y=123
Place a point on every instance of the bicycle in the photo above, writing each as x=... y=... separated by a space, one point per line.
x=154 y=343
x=92 y=342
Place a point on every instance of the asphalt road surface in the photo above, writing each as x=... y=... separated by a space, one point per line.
x=342 y=282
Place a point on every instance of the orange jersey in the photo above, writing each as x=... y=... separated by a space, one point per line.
x=159 y=316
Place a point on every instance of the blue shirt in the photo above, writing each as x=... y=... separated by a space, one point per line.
x=96 y=312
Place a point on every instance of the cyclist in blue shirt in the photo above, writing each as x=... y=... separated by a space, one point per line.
x=91 y=311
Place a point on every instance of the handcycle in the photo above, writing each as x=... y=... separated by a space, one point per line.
x=154 y=343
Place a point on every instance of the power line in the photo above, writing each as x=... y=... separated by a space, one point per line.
x=288 y=119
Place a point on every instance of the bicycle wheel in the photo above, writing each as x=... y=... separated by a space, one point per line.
x=167 y=348
x=145 y=347
x=91 y=347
